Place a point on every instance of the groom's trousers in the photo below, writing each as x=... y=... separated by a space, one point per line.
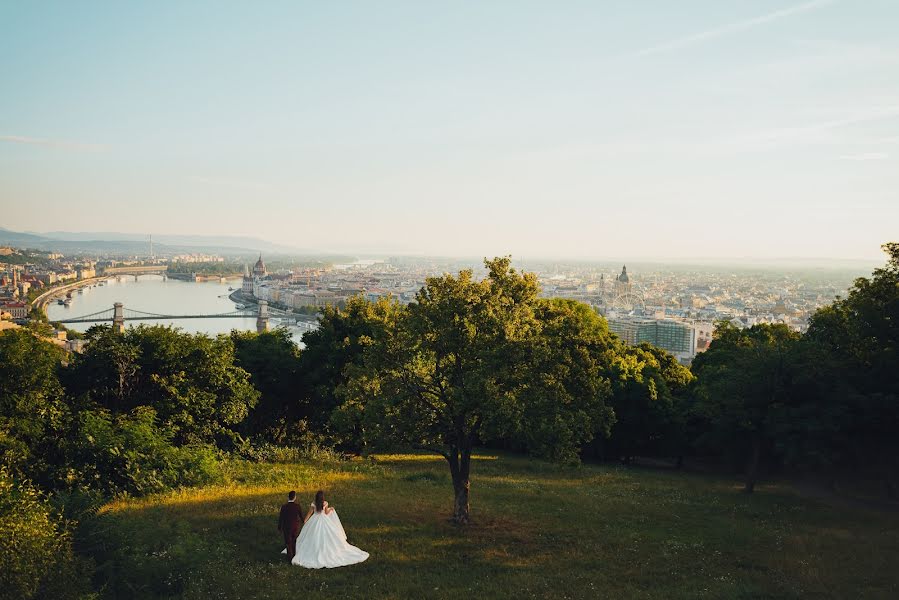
x=290 y=540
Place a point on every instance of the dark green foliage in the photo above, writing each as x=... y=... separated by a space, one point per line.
x=857 y=340
x=333 y=352
x=131 y=453
x=273 y=361
x=191 y=381
x=649 y=399
x=565 y=390
x=36 y=558
x=33 y=409
x=206 y=268
x=745 y=384
x=824 y=402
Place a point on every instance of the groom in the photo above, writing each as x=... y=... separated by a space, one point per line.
x=289 y=522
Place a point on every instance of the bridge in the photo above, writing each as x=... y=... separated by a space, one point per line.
x=118 y=314
x=136 y=270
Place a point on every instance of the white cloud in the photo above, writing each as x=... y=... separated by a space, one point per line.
x=730 y=28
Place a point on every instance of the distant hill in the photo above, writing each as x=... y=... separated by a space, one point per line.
x=129 y=243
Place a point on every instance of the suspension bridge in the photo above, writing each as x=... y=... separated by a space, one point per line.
x=118 y=314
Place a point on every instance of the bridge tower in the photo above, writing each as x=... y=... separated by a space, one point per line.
x=118 y=317
x=262 y=319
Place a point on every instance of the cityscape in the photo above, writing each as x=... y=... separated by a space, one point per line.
x=674 y=307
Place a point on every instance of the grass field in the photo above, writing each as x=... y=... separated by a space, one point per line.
x=540 y=531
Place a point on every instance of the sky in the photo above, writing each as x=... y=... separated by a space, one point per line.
x=583 y=129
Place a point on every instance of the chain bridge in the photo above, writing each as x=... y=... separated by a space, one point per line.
x=118 y=314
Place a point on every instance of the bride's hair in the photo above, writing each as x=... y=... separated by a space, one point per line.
x=319 y=501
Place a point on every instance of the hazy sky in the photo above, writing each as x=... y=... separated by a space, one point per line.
x=671 y=129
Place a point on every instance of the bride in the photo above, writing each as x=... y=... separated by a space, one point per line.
x=322 y=541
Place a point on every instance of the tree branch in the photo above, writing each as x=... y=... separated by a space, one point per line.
x=427 y=448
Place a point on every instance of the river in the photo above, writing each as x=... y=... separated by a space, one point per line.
x=153 y=294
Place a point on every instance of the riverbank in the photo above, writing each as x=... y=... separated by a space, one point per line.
x=239 y=297
x=44 y=299
x=200 y=277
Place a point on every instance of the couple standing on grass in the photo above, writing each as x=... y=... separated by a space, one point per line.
x=318 y=539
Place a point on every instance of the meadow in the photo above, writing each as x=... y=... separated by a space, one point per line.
x=540 y=530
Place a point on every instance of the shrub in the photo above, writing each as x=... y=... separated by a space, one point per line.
x=36 y=558
x=131 y=453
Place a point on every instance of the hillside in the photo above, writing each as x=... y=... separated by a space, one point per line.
x=539 y=531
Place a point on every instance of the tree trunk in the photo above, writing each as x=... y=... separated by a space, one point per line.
x=679 y=462
x=752 y=467
x=460 y=467
x=461 y=508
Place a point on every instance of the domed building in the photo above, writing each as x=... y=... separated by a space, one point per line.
x=627 y=298
x=259 y=268
x=622 y=282
x=249 y=281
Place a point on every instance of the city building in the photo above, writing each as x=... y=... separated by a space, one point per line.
x=17 y=310
x=673 y=336
x=247 y=282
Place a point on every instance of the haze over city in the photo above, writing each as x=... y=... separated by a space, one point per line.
x=587 y=130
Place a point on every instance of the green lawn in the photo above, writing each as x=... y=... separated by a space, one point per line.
x=540 y=531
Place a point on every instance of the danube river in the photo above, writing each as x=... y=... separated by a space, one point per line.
x=153 y=294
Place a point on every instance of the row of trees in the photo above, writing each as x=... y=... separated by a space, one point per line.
x=206 y=268
x=825 y=401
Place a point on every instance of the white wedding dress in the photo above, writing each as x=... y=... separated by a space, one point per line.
x=322 y=543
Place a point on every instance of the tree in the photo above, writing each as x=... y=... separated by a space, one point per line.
x=859 y=338
x=745 y=380
x=333 y=353
x=565 y=382
x=108 y=369
x=649 y=391
x=33 y=410
x=190 y=381
x=272 y=359
x=468 y=362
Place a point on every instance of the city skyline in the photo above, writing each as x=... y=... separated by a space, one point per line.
x=703 y=130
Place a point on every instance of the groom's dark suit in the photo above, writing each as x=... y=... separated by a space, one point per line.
x=289 y=522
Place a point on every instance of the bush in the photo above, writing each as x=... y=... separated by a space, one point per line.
x=304 y=445
x=36 y=558
x=131 y=453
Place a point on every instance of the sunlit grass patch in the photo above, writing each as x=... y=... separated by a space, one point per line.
x=424 y=457
x=539 y=530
